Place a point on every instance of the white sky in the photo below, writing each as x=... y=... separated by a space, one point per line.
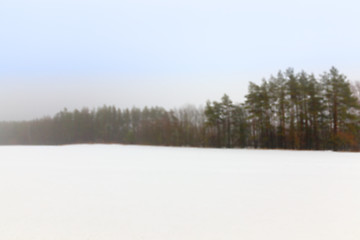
x=74 y=53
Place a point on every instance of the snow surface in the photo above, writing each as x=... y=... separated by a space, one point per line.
x=108 y=192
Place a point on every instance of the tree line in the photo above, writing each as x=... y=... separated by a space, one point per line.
x=287 y=111
x=108 y=124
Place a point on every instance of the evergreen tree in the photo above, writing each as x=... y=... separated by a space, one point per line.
x=339 y=102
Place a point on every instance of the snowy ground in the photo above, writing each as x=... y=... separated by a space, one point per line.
x=114 y=192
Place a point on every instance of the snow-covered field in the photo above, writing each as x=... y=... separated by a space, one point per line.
x=114 y=192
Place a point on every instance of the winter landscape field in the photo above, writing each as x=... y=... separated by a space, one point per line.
x=110 y=192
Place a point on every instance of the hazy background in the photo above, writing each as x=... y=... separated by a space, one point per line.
x=75 y=53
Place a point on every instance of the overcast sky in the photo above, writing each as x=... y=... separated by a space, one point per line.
x=75 y=53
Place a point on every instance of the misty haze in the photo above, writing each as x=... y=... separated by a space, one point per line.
x=179 y=120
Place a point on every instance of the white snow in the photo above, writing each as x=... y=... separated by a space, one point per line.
x=115 y=192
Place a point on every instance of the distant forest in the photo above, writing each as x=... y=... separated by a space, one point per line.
x=287 y=111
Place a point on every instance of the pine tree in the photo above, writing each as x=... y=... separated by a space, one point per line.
x=340 y=102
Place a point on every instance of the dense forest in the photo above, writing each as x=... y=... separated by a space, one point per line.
x=287 y=111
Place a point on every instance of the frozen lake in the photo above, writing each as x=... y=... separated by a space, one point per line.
x=115 y=192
